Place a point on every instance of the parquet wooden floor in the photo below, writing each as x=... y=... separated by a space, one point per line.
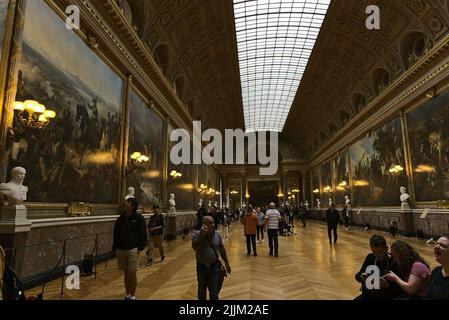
x=308 y=268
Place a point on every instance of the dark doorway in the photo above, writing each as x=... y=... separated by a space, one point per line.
x=263 y=192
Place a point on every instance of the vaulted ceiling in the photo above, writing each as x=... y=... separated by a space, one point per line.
x=351 y=65
x=194 y=44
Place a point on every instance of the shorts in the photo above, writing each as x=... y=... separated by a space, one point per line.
x=128 y=259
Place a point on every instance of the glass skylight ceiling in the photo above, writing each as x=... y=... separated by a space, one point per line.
x=275 y=39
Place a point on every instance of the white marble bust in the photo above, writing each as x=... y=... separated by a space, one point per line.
x=330 y=202
x=318 y=203
x=200 y=203
x=405 y=198
x=130 y=194
x=348 y=202
x=14 y=192
x=172 y=201
x=307 y=205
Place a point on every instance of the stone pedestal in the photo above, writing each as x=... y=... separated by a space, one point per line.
x=408 y=223
x=14 y=229
x=171 y=226
x=172 y=210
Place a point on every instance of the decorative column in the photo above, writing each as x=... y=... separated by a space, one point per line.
x=124 y=144
x=165 y=166
x=14 y=224
x=10 y=62
x=408 y=222
x=304 y=186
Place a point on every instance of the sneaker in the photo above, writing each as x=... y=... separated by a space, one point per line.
x=276 y=255
x=257 y=242
x=271 y=253
x=149 y=262
x=162 y=258
x=127 y=298
x=262 y=241
x=255 y=254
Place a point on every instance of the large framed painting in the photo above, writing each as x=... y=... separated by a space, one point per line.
x=428 y=128
x=326 y=183
x=341 y=169
x=76 y=157
x=181 y=180
x=3 y=17
x=146 y=136
x=316 y=189
x=378 y=166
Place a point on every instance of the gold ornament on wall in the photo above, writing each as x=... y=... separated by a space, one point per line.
x=79 y=209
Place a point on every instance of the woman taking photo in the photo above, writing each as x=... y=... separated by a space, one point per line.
x=130 y=239
x=414 y=271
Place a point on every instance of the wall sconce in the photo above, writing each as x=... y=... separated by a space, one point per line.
x=233 y=192
x=396 y=169
x=296 y=191
x=316 y=191
x=31 y=114
x=280 y=195
x=175 y=174
x=247 y=196
x=328 y=189
x=140 y=160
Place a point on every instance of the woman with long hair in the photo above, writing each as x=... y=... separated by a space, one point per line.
x=130 y=239
x=414 y=272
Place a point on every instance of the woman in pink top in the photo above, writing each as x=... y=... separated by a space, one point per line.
x=414 y=270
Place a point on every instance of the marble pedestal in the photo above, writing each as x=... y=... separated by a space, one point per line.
x=14 y=229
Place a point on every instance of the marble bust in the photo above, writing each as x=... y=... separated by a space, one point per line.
x=14 y=192
x=330 y=202
x=172 y=201
x=348 y=202
x=307 y=205
x=405 y=198
x=200 y=203
x=130 y=194
x=318 y=203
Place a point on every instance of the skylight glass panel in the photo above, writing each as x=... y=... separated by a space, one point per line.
x=275 y=39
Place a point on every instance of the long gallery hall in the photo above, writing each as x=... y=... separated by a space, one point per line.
x=237 y=150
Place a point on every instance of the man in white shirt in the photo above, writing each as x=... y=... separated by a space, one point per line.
x=272 y=225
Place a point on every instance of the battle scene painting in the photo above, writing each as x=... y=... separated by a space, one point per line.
x=76 y=157
x=371 y=160
x=146 y=136
x=428 y=128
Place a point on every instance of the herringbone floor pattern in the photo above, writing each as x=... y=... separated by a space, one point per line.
x=308 y=268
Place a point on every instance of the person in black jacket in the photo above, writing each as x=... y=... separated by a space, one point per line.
x=332 y=219
x=380 y=258
x=155 y=230
x=130 y=239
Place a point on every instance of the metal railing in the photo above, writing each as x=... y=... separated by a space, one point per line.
x=12 y=254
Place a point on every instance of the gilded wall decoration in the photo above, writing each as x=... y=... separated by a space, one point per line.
x=146 y=136
x=378 y=166
x=75 y=158
x=428 y=128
